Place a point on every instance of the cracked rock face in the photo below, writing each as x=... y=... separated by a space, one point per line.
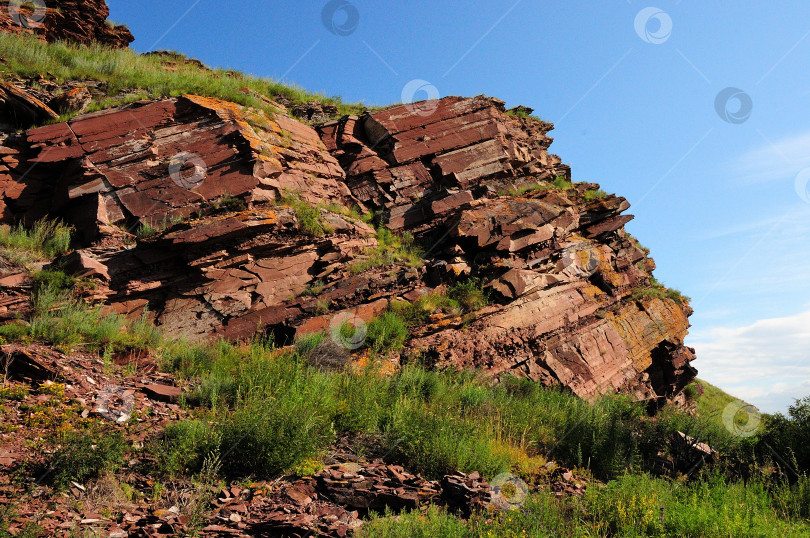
x=80 y=21
x=468 y=180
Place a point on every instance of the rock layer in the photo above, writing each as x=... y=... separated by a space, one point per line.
x=572 y=302
x=80 y=21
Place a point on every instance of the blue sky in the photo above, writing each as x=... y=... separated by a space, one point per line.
x=723 y=205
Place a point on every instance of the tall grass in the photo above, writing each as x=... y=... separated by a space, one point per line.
x=44 y=239
x=270 y=411
x=125 y=69
x=60 y=318
x=392 y=249
x=630 y=506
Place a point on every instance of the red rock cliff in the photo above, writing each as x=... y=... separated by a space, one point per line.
x=557 y=262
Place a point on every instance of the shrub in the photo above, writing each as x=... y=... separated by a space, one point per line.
x=789 y=435
x=184 y=447
x=386 y=333
x=469 y=295
x=84 y=455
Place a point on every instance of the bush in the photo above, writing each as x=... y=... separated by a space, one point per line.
x=386 y=333
x=85 y=455
x=184 y=447
x=469 y=295
x=789 y=436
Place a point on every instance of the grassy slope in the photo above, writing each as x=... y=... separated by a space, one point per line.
x=431 y=422
x=713 y=401
x=148 y=75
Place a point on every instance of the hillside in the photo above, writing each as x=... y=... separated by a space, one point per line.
x=233 y=308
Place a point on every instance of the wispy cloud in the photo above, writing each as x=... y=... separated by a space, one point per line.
x=774 y=160
x=766 y=363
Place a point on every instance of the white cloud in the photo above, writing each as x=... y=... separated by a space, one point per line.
x=766 y=363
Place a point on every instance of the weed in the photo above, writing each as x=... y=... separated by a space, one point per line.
x=392 y=249
x=593 y=194
x=469 y=295
x=562 y=183
x=84 y=455
x=386 y=333
x=45 y=239
x=310 y=219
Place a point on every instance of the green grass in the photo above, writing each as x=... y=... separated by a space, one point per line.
x=712 y=401
x=593 y=194
x=434 y=422
x=44 y=239
x=61 y=319
x=630 y=506
x=559 y=183
x=523 y=189
x=562 y=184
x=125 y=69
x=656 y=290
x=392 y=249
x=523 y=114
x=469 y=295
x=310 y=218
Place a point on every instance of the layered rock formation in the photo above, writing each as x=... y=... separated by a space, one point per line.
x=80 y=21
x=255 y=238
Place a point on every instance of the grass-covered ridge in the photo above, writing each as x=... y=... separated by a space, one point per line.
x=147 y=75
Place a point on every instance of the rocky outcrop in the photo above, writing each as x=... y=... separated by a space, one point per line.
x=151 y=162
x=257 y=238
x=418 y=162
x=80 y=21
